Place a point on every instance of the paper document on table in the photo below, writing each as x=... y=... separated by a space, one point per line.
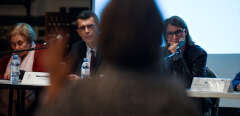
x=36 y=78
x=211 y=84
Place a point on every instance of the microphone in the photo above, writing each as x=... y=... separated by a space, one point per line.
x=175 y=56
x=180 y=45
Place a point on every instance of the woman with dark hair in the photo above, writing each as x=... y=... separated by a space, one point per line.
x=186 y=59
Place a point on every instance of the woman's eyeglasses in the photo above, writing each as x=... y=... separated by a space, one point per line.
x=90 y=27
x=177 y=33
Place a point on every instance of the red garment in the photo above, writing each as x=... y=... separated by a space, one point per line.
x=3 y=65
x=37 y=63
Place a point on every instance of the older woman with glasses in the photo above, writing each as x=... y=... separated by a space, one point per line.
x=21 y=37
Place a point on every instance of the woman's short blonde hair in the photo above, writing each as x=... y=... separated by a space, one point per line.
x=24 y=30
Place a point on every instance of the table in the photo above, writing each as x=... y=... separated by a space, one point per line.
x=204 y=94
x=5 y=84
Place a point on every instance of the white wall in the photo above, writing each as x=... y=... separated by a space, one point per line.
x=213 y=24
x=224 y=65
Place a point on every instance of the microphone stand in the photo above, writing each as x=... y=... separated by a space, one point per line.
x=19 y=51
x=174 y=56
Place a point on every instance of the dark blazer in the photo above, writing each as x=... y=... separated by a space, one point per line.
x=192 y=63
x=236 y=81
x=78 y=53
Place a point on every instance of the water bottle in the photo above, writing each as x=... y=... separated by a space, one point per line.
x=15 y=70
x=85 y=69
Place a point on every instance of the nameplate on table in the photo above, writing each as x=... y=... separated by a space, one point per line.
x=211 y=84
x=36 y=78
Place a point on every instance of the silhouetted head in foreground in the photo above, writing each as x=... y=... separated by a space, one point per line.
x=130 y=33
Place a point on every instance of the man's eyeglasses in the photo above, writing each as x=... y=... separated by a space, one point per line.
x=90 y=27
x=177 y=33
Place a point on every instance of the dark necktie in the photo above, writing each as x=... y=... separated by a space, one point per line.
x=93 y=61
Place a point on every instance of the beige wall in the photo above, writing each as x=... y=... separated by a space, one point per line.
x=39 y=7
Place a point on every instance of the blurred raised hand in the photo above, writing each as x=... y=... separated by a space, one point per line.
x=55 y=62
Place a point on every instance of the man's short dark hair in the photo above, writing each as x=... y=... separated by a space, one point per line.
x=88 y=14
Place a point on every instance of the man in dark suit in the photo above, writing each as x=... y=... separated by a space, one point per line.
x=87 y=29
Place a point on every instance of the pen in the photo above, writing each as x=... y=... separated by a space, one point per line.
x=42 y=76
